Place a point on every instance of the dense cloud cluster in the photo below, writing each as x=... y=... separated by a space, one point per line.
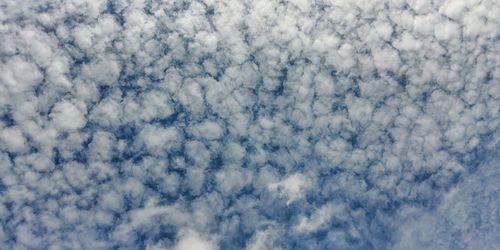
x=203 y=124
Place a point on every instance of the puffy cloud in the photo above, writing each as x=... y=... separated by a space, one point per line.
x=13 y=140
x=19 y=75
x=232 y=179
x=265 y=239
x=320 y=217
x=158 y=139
x=293 y=187
x=192 y=240
x=66 y=116
x=209 y=130
x=249 y=125
x=102 y=71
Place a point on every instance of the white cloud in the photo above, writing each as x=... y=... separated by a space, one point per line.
x=157 y=139
x=191 y=240
x=13 y=140
x=198 y=152
x=26 y=237
x=446 y=30
x=293 y=187
x=101 y=147
x=111 y=200
x=209 y=130
x=18 y=75
x=155 y=105
x=232 y=179
x=465 y=217
x=321 y=216
x=247 y=125
x=265 y=239
x=386 y=59
x=66 y=116
x=103 y=71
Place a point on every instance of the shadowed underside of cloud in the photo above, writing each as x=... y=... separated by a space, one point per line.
x=129 y=124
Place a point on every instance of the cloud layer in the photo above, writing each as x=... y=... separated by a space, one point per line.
x=259 y=124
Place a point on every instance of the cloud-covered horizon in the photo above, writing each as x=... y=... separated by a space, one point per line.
x=153 y=124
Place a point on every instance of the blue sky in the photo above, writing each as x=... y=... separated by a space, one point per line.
x=149 y=124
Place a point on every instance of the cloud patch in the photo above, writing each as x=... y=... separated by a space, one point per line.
x=249 y=125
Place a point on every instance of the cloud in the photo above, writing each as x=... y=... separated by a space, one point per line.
x=192 y=240
x=248 y=124
x=209 y=130
x=13 y=140
x=18 y=75
x=320 y=217
x=293 y=187
x=464 y=219
x=66 y=116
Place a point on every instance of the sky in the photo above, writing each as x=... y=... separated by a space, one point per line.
x=249 y=124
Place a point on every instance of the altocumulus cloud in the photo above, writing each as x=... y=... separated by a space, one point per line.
x=260 y=124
